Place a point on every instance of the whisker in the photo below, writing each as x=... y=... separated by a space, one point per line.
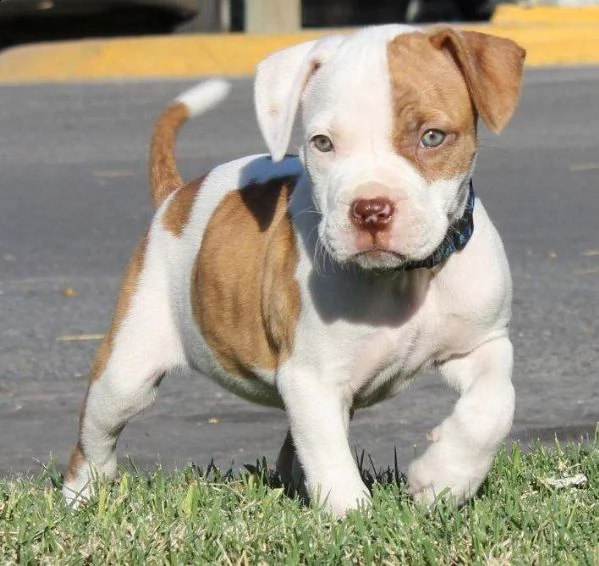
x=308 y=211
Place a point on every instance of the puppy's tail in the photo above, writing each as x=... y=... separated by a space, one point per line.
x=164 y=175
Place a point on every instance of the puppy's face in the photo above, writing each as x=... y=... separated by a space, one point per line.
x=390 y=141
x=390 y=137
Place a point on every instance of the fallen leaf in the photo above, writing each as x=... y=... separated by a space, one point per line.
x=70 y=292
x=577 y=480
x=79 y=337
x=113 y=173
x=583 y=166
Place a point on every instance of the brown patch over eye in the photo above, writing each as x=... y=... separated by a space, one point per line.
x=429 y=94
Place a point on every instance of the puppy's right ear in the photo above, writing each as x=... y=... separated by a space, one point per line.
x=280 y=81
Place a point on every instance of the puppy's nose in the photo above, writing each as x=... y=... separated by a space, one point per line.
x=371 y=214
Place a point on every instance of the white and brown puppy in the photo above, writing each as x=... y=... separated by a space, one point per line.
x=323 y=283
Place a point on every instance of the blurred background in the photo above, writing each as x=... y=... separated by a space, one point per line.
x=24 y=21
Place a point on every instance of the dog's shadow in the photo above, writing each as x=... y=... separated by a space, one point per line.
x=264 y=474
x=260 y=473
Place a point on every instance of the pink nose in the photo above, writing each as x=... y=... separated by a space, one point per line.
x=371 y=214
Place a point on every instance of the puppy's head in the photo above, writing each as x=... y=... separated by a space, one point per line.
x=389 y=118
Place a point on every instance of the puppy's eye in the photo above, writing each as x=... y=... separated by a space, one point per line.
x=432 y=138
x=322 y=143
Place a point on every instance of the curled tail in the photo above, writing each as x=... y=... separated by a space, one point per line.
x=164 y=175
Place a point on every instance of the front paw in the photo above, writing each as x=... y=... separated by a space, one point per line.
x=341 y=497
x=439 y=472
x=78 y=485
x=77 y=492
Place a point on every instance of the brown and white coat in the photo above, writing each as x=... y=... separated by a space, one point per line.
x=280 y=277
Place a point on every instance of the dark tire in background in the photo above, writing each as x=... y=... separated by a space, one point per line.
x=23 y=21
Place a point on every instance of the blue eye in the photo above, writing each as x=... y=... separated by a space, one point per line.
x=322 y=143
x=432 y=138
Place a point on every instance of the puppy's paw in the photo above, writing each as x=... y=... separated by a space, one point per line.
x=78 y=484
x=76 y=493
x=453 y=476
x=341 y=498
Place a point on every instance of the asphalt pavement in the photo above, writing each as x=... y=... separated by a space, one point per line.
x=74 y=199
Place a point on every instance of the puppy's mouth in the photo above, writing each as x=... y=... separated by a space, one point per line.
x=375 y=251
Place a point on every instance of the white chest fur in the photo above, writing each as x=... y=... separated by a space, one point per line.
x=372 y=331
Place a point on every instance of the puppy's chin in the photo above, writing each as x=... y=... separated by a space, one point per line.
x=378 y=259
x=383 y=259
x=372 y=260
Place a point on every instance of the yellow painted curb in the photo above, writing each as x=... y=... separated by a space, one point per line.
x=516 y=14
x=186 y=56
x=563 y=45
x=143 y=57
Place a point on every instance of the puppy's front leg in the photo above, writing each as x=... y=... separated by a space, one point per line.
x=465 y=444
x=318 y=414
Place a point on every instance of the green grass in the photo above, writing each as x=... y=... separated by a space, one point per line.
x=212 y=518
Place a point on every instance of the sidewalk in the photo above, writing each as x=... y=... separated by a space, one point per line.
x=551 y=35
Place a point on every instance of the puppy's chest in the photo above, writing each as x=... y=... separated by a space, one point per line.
x=369 y=338
x=384 y=359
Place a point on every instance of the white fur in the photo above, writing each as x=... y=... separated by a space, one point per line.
x=279 y=85
x=362 y=333
x=204 y=96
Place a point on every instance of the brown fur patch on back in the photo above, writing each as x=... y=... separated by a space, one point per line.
x=244 y=295
x=176 y=216
x=429 y=92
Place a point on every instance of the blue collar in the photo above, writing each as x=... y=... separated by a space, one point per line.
x=457 y=237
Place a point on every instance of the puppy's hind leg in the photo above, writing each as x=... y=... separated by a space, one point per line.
x=141 y=346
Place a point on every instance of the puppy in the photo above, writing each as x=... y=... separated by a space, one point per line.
x=322 y=283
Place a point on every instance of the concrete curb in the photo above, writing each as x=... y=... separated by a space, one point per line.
x=551 y=36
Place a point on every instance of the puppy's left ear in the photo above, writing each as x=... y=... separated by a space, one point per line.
x=280 y=81
x=492 y=67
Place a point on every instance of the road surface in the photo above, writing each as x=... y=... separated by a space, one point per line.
x=74 y=199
